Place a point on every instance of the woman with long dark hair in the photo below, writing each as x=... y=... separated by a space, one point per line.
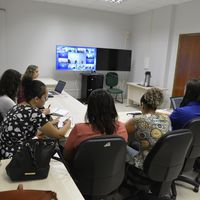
x=9 y=84
x=190 y=105
x=101 y=119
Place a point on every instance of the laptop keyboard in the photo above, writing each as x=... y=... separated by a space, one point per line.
x=53 y=92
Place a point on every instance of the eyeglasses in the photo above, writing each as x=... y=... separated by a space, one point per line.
x=45 y=98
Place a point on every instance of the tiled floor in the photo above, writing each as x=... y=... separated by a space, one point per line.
x=184 y=191
x=125 y=108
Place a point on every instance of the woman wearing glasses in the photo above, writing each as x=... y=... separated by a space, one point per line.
x=24 y=120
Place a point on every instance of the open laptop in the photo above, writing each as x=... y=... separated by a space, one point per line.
x=59 y=88
x=176 y=101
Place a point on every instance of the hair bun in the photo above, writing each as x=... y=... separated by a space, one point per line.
x=154 y=97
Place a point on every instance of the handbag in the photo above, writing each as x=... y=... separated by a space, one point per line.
x=21 y=194
x=31 y=161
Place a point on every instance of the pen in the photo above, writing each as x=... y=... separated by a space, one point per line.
x=56 y=114
x=49 y=105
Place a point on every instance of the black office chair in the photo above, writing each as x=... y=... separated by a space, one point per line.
x=112 y=81
x=162 y=165
x=98 y=166
x=187 y=173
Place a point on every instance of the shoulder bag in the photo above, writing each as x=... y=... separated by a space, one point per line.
x=31 y=162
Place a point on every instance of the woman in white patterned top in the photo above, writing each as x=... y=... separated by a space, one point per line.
x=147 y=128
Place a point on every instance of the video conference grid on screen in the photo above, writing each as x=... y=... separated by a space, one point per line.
x=75 y=58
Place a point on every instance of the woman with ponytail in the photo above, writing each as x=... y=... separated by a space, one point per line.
x=24 y=120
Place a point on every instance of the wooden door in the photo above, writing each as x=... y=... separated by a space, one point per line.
x=187 y=63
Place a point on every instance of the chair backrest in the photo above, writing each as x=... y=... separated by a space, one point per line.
x=99 y=164
x=111 y=79
x=194 y=150
x=165 y=161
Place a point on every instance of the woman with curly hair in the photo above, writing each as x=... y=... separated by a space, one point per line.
x=9 y=84
x=148 y=127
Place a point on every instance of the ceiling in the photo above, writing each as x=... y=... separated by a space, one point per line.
x=128 y=7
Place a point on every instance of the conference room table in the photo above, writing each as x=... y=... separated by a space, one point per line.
x=65 y=101
x=76 y=109
x=68 y=103
x=49 y=82
x=58 y=180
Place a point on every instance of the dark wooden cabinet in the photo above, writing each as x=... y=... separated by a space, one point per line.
x=90 y=82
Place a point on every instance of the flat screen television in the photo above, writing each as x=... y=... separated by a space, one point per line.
x=75 y=58
x=113 y=59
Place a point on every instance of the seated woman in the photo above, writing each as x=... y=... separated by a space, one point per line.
x=23 y=120
x=101 y=119
x=190 y=106
x=9 y=85
x=31 y=72
x=148 y=127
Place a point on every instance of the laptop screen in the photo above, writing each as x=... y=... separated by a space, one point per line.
x=176 y=102
x=60 y=86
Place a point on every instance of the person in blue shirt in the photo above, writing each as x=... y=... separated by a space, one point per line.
x=190 y=105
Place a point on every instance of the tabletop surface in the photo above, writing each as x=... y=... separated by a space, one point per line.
x=58 y=180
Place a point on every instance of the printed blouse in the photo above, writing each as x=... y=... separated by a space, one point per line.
x=21 y=123
x=149 y=128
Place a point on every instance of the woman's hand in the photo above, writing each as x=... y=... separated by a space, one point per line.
x=40 y=135
x=55 y=121
x=46 y=111
x=67 y=122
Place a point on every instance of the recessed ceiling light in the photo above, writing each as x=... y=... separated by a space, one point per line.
x=115 y=1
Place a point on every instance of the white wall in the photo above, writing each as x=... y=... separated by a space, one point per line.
x=150 y=36
x=186 y=20
x=2 y=37
x=155 y=36
x=33 y=29
x=150 y=41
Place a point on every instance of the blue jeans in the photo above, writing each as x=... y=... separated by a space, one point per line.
x=131 y=153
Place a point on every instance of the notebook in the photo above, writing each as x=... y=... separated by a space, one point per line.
x=59 y=88
x=62 y=114
x=176 y=102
